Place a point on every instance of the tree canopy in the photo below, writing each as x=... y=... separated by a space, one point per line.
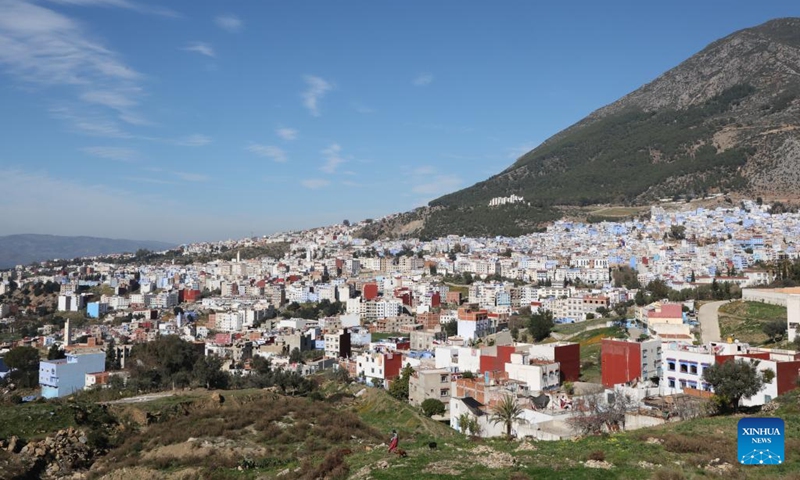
x=734 y=380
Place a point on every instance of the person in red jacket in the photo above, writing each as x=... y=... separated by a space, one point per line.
x=393 y=442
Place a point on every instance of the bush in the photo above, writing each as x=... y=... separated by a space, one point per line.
x=432 y=406
x=598 y=455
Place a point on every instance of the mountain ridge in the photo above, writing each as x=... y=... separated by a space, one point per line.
x=724 y=120
x=25 y=248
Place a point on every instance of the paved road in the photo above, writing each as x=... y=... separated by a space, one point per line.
x=709 y=321
x=141 y=398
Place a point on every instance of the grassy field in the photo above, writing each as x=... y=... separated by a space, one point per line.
x=617 y=212
x=258 y=434
x=591 y=344
x=573 y=328
x=744 y=320
x=34 y=420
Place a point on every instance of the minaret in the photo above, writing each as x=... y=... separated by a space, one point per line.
x=66 y=333
x=238 y=256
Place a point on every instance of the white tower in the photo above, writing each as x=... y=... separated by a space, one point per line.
x=66 y=333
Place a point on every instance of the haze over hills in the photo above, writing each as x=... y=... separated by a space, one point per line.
x=725 y=120
x=26 y=248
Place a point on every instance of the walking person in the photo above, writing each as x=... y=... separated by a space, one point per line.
x=393 y=442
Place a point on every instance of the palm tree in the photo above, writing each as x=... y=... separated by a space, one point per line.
x=507 y=411
x=463 y=423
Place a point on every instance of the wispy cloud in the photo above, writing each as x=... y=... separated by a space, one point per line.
x=201 y=48
x=520 y=150
x=317 y=88
x=119 y=154
x=422 y=80
x=333 y=158
x=363 y=109
x=192 y=177
x=126 y=4
x=195 y=140
x=108 y=98
x=287 y=133
x=314 y=183
x=424 y=170
x=275 y=153
x=88 y=124
x=229 y=22
x=43 y=48
x=438 y=185
x=155 y=181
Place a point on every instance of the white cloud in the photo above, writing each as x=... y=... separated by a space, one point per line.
x=126 y=4
x=110 y=99
x=424 y=170
x=314 y=183
x=41 y=47
x=518 y=151
x=192 y=177
x=275 y=153
x=201 y=48
x=156 y=181
x=287 y=133
x=439 y=185
x=317 y=88
x=333 y=158
x=422 y=80
x=363 y=109
x=112 y=153
x=229 y=22
x=195 y=140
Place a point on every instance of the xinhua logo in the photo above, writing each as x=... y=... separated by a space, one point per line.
x=761 y=441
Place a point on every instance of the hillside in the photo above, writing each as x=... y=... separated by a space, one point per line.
x=725 y=120
x=27 y=248
x=260 y=434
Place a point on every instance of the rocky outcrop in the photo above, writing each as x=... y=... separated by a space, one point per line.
x=57 y=456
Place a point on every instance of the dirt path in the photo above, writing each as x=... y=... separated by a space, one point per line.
x=709 y=321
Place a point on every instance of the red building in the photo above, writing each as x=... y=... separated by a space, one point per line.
x=370 y=291
x=621 y=362
x=497 y=363
x=569 y=356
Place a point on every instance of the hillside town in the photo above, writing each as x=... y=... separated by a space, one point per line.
x=442 y=317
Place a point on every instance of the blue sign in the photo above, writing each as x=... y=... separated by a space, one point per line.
x=761 y=441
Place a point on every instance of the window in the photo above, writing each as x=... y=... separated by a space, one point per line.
x=444 y=378
x=693 y=369
x=684 y=368
x=671 y=366
x=445 y=392
x=671 y=383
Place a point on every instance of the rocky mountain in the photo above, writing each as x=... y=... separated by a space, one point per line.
x=26 y=248
x=725 y=120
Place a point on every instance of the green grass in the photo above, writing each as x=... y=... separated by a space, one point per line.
x=744 y=320
x=591 y=344
x=36 y=419
x=313 y=431
x=573 y=328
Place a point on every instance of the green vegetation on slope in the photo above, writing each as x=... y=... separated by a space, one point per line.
x=619 y=158
x=257 y=434
x=745 y=321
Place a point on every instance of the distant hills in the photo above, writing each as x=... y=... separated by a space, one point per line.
x=27 y=248
x=725 y=120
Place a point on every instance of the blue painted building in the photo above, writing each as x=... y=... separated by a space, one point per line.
x=59 y=378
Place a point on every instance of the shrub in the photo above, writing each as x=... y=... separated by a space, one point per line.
x=598 y=455
x=432 y=406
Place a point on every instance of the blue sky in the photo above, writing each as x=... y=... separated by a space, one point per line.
x=204 y=120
